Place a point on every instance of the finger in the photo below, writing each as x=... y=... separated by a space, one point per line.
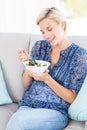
x=20 y=51
x=46 y=71
x=23 y=55
x=26 y=53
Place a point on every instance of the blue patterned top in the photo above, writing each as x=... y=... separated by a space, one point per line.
x=69 y=71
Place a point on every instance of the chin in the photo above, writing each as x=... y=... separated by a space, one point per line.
x=54 y=43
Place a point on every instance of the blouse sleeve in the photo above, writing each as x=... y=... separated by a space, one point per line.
x=39 y=50
x=35 y=51
x=79 y=70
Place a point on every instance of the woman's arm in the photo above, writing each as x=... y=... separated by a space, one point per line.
x=67 y=94
x=23 y=55
x=27 y=80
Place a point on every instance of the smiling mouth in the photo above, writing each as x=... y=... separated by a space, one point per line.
x=51 y=40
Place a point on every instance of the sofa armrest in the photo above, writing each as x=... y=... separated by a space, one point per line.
x=85 y=125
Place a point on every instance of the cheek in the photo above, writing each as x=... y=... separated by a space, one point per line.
x=59 y=32
x=59 y=36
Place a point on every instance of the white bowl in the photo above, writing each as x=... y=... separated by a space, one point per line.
x=40 y=68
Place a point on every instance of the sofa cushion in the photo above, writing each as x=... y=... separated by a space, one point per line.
x=6 y=112
x=78 y=109
x=4 y=96
x=86 y=125
x=75 y=125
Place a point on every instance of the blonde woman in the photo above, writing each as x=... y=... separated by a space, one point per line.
x=48 y=96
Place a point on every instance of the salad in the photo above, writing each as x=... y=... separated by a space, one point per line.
x=33 y=62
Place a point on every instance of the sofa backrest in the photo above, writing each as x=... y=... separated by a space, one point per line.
x=12 y=68
x=80 y=40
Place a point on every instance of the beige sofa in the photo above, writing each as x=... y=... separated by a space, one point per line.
x=12 y=68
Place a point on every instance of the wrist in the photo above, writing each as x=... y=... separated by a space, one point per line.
x=47 y=79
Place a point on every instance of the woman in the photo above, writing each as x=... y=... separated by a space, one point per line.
x=47 y=97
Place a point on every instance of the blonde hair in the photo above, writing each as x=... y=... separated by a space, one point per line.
x=51 y=13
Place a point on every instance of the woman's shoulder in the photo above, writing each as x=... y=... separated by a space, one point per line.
x=45 y=42
x=41 y=44
x=79 y=49
x=80 y=55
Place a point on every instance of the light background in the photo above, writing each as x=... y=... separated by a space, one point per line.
x=20 y=16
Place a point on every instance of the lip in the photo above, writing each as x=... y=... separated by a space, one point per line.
x=50 y=40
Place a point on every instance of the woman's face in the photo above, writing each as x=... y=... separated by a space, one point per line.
x=52 y=31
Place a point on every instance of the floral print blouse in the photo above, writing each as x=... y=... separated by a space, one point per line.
x=70 y=71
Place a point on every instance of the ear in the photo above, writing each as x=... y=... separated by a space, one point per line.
x=64 y=25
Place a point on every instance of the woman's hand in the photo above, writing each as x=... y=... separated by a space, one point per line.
x=41 y=77
x=23 y=55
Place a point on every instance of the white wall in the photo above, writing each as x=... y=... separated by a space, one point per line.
x=20 y=16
